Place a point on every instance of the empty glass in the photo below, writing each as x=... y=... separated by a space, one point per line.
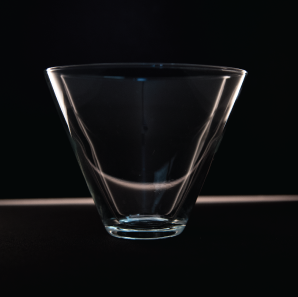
x=144 y=136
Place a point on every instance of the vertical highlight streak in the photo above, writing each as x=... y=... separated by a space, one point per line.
x=95 y=159
x=143 y=142
x=200 y=144
x=59 y=95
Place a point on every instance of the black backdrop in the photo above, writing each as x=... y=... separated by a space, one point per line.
x=258 y=152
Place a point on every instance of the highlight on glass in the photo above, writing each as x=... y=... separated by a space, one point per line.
x=144 y=135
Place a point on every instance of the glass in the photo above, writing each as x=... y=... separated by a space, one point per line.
x=144 y=136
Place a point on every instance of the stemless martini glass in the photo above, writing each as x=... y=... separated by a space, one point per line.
x=144 y=135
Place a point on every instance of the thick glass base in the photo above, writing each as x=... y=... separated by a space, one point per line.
x=146 y=228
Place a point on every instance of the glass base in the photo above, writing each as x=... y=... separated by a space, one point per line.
x=146 y=228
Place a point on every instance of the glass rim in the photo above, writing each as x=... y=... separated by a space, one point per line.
x=224 y=69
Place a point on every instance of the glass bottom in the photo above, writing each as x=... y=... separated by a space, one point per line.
x=146 y=228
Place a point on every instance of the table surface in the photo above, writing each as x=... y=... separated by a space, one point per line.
x=46 y=238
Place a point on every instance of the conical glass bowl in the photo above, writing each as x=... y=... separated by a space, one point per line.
x=144 y=135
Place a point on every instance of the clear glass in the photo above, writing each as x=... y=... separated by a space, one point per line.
x=144 y=136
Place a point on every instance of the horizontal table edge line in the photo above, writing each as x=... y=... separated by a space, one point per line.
x=200 y=200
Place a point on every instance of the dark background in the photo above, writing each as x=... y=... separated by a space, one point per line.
x=258 y=153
